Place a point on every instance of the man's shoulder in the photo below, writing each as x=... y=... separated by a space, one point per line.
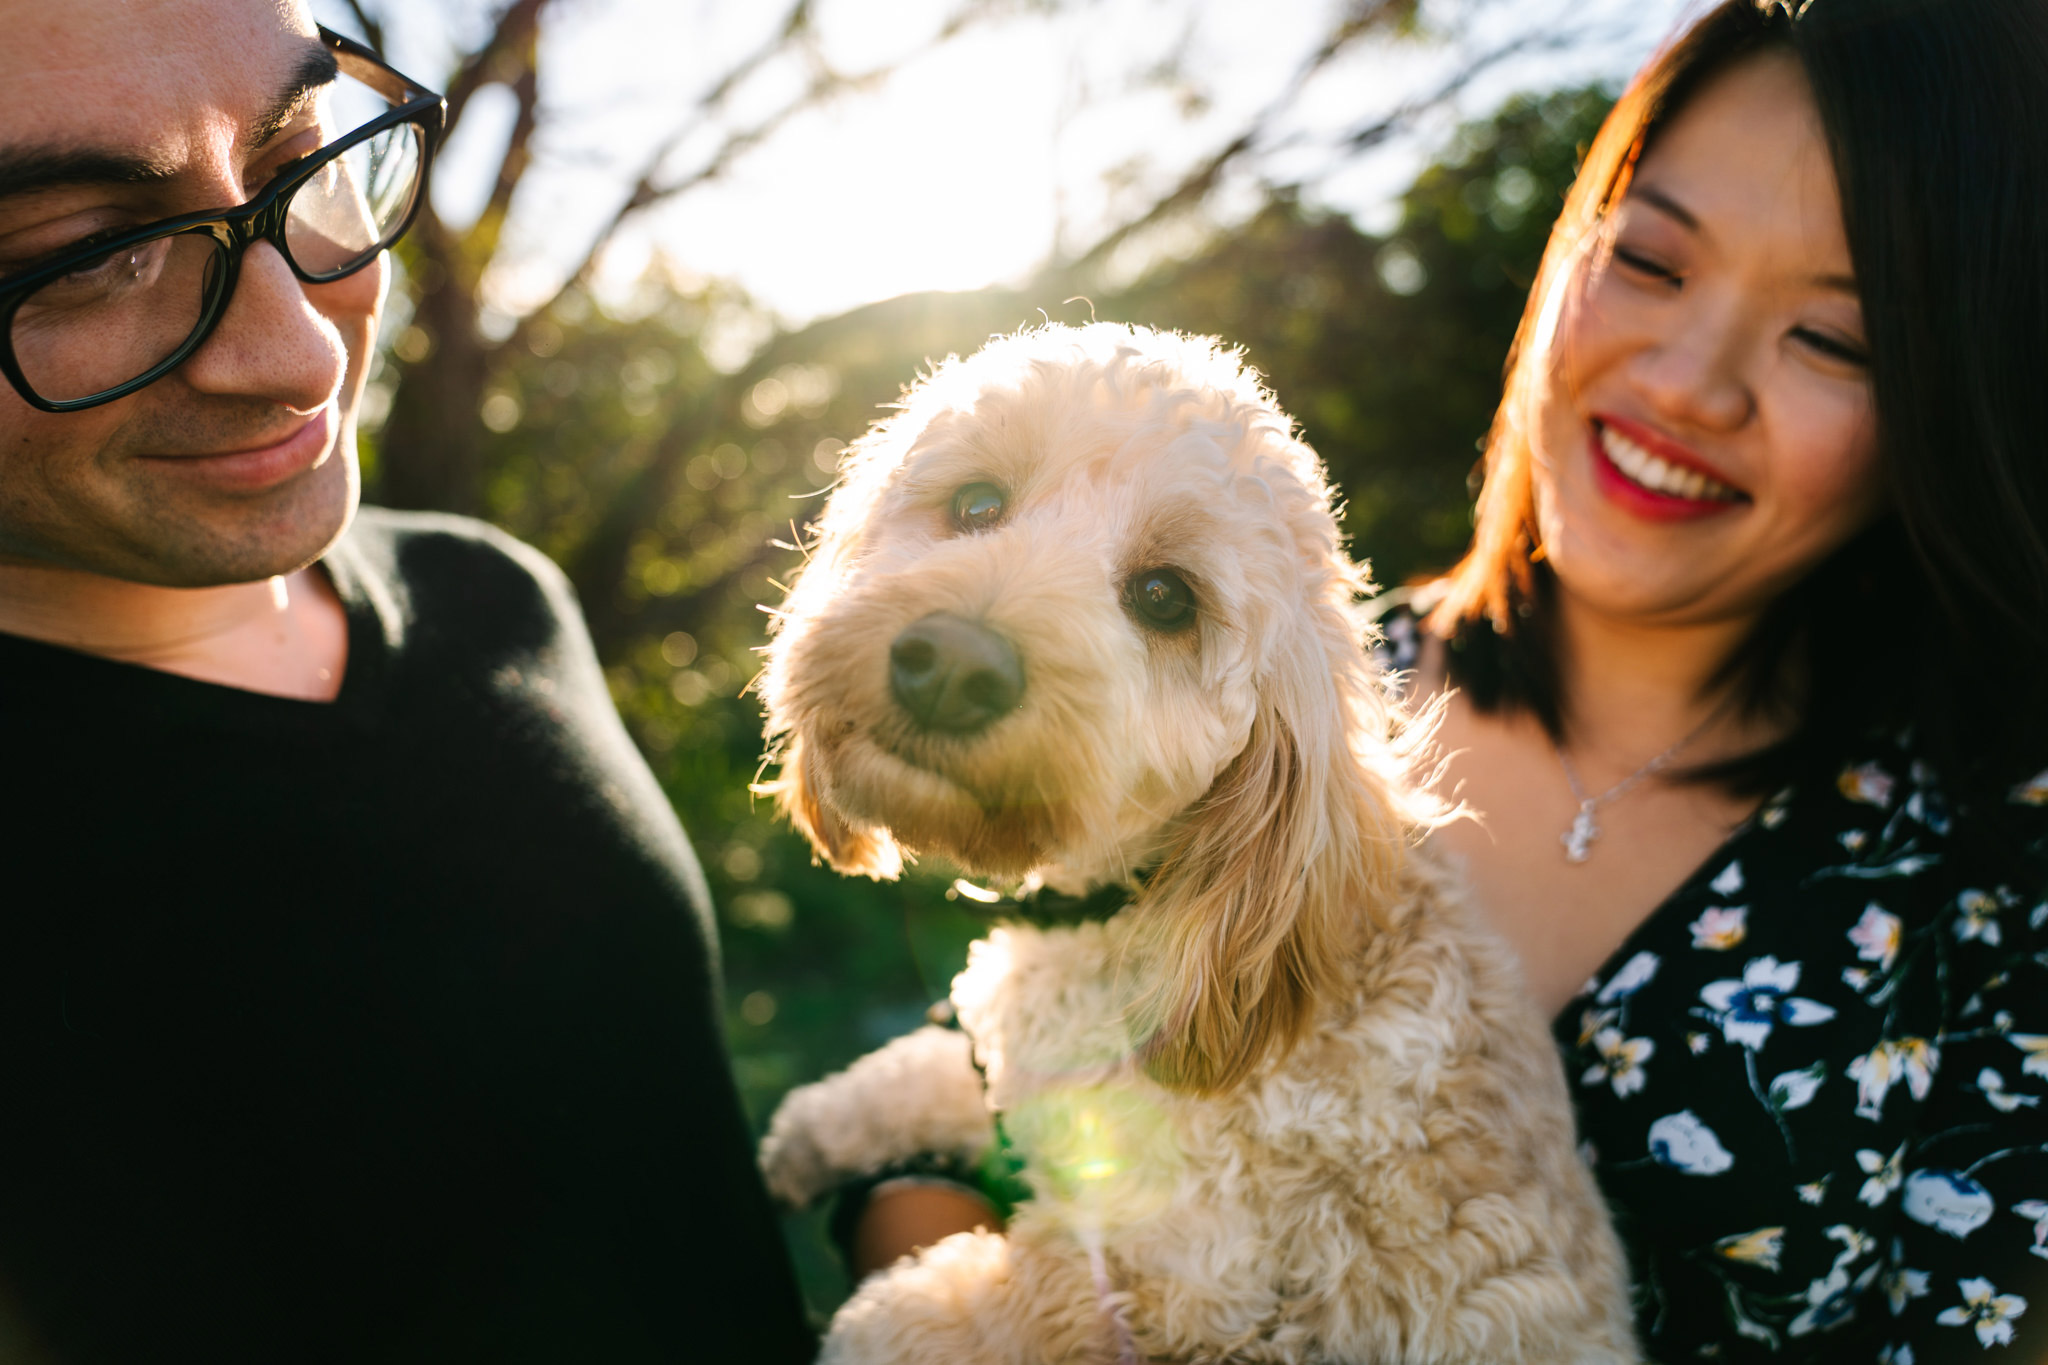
x=453 y=572
x=443 y=543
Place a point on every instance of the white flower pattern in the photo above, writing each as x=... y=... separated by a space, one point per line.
x=1876 y=936
x=1621 y=1061
x=1747 y=1009
x=1985 y=1309
x=2037 y=1210
x=1886 y=1174
x=1683 y=1143
x=1886 y=1058
x=1785 y=1095
x=1912 y=1060
x=1948 y=1201
x=1720 y=927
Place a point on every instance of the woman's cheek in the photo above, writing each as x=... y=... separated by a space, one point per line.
x=1832 y=468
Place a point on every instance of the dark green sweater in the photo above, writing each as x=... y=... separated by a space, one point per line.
x=380 y=1030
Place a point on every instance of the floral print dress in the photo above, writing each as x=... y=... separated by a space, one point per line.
x=1813 y=1084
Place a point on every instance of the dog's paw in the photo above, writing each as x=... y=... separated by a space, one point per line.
x=919 y=1095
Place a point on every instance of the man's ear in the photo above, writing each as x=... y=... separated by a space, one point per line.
x=860 y=851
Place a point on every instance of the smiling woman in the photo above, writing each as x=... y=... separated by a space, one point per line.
x=1754 y=626
x=1705 y=431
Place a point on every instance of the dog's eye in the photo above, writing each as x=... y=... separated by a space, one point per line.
x=1162 y=599
x=978 y=506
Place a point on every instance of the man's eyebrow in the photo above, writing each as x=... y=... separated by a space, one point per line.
x=317 y=69
x=24 y=170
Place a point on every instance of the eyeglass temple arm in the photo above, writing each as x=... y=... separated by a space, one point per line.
x=366 y=66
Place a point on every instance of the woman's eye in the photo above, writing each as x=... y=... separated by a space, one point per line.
x=1161 y=599
x=979 y=506
x=1637 y=263
x=1834 y=348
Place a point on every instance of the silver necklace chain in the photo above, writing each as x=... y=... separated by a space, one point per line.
x=1578 y=840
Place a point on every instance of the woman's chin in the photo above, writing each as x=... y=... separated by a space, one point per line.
x=1635 y=572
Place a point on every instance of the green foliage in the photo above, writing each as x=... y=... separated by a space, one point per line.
x=1388 y=351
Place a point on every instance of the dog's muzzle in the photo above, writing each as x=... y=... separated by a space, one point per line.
x=954 y=675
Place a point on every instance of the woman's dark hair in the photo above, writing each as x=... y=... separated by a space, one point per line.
x=1936 y=112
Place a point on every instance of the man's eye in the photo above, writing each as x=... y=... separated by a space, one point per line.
x=101 y=278
x=40 y=258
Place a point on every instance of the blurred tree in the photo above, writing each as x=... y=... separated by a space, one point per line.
x=448 y=367
x=1388 y=350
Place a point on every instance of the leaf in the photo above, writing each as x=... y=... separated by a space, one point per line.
x=1795 y=1089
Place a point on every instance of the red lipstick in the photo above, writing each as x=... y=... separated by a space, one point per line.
x=1648 y=503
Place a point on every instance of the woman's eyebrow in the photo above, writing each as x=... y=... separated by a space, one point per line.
x=1666 y=205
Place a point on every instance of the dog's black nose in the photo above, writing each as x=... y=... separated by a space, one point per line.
x=954 y=674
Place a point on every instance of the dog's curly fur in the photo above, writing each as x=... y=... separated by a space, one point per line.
x=1291 y=1104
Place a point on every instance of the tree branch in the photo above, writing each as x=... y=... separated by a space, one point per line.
x=514 y=33
x=1363 y=17
x=481 y=242
x=372 y=27
x=649 y=188
x=1371 y=134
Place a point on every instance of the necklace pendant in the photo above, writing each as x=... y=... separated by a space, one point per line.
x=1578 y=840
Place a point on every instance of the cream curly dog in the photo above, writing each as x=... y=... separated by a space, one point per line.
x=1078 y=614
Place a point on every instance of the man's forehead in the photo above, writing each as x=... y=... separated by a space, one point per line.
x=157 y=79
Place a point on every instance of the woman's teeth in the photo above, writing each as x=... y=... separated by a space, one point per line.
x=1660 y=476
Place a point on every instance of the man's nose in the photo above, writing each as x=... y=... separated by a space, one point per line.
x=272 y=342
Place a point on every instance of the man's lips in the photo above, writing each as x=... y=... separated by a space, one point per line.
x=256 y=468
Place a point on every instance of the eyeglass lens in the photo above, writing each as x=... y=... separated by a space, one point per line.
x=107 y=322
x=113 y=320
x=353 y=206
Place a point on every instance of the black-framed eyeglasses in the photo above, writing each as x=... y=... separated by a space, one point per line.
x=100 y=321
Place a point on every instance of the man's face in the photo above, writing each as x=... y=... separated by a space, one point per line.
x=240 y=463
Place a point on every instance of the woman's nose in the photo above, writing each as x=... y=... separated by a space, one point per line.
x=272 y=342
x=1698 y=374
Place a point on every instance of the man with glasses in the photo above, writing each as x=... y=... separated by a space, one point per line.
x=357 y=995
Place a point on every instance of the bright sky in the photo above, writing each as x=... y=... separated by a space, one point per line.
x=962 y=169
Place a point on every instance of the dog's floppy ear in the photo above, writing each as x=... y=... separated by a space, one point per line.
x=1296 y=841
x=855 y=850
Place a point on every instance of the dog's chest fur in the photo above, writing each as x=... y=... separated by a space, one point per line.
x=1370 y=1195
